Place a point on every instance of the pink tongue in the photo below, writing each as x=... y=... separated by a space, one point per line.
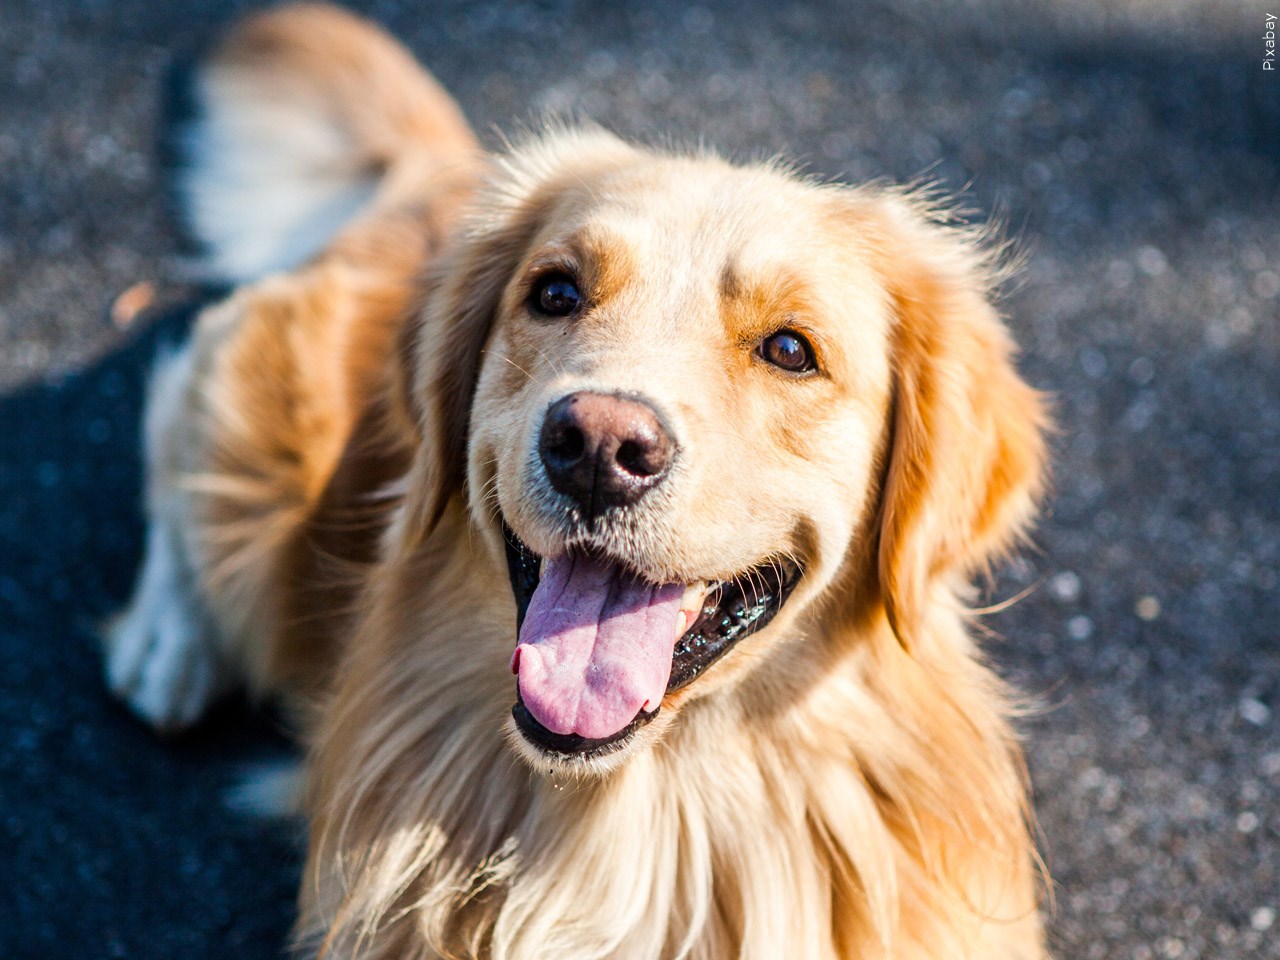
x=595 y=648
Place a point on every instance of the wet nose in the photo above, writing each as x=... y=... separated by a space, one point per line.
x=604 y=451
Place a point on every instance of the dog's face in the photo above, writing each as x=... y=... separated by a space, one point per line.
x=687 y=423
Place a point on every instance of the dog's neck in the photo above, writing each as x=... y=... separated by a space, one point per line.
x=731 y=837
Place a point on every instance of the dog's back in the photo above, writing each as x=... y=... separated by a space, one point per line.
x=316 y=145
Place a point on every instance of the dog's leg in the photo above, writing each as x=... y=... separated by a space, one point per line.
x=163 y=655
x=161 y=660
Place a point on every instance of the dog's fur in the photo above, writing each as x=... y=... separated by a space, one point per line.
x=329 y=455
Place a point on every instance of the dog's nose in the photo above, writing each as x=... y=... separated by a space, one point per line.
x=604 y=451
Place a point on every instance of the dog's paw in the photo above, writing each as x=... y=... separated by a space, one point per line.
x=163 y=659
x=160 y=665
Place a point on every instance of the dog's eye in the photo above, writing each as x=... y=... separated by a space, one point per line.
x=555 y=295
x=788 y=351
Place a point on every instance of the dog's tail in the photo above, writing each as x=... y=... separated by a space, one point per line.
x=292 y=126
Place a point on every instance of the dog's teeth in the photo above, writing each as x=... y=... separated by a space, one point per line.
x=694 y=594
x=690 y=605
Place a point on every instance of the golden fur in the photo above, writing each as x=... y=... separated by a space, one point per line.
x=329 y=455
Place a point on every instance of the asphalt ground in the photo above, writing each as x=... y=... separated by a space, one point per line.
x=1131 y=146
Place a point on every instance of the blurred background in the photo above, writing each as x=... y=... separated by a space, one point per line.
x=1132 y=147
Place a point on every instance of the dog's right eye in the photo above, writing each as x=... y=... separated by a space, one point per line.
x=555 y=295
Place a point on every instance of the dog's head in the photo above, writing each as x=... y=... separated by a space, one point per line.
x=690 y=402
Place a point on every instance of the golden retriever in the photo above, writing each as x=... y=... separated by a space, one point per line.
x=604 y=515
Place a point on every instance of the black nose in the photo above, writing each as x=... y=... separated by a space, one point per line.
x=604 y=451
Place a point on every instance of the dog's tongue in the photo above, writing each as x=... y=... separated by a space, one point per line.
x=595 y=648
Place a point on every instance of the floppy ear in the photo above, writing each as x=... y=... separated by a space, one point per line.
x=439 y=356
x=441 y=350
x=966 y=459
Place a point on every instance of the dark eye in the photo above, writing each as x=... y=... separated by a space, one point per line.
x=788 y=350
x=555 y=295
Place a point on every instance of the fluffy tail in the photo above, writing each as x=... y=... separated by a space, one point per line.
x=292 y=126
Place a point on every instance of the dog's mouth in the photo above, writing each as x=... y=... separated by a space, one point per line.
x=599 y=647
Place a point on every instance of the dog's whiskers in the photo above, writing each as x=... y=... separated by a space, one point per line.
x=531 y=378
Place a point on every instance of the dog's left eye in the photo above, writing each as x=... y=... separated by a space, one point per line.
x=555 y=295
x=788 y=351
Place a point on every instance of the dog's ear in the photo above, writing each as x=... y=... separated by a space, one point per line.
x=439 y=355
x=440 y=352
x=965 y=458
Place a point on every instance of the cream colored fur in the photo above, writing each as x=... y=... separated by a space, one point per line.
x=846 y=783
x=166 y=661
x=275 y=163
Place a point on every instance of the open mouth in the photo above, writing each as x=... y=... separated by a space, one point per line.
x=600 y=647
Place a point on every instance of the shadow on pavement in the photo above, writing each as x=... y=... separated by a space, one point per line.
x=115 y=844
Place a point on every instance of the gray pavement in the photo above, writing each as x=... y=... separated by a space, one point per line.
x=1132 y=146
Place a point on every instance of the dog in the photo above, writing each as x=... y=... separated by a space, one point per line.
x=605 y=519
